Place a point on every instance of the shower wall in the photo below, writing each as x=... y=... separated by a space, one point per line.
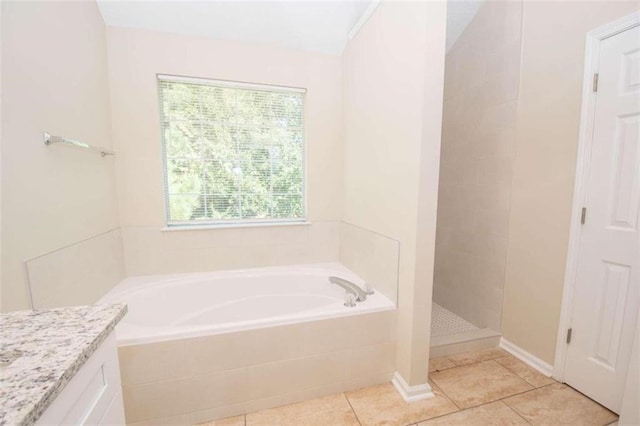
x=478 y=149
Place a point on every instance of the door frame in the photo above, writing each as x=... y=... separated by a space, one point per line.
x=585 y=140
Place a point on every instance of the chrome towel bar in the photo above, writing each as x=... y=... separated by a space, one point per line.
x=50 y=139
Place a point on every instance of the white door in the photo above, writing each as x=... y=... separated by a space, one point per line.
x=607 y=294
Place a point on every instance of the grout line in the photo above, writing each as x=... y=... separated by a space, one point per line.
x=523 y=378
x=461 y=410
x=515 y=411
x=445 y=394
x=489 y=402
x=478 y=362
x=352 y=409
x=521 y=393
x=516 y=374
x=477 y=406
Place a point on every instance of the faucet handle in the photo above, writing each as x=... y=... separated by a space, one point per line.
x=349 y=299
x=368 y=288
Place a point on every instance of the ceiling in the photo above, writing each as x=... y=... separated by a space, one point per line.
x=312 y=25
x=318 y=26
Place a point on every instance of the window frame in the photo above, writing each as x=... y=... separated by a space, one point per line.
x=228 y=223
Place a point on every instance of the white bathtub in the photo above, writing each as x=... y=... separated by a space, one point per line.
x=170 y=307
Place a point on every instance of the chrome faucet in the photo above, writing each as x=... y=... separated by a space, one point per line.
x=351 y=288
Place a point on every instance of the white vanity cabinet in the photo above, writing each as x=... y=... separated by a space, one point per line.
x=94 y=395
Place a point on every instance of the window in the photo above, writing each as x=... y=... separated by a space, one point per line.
x=233 y=152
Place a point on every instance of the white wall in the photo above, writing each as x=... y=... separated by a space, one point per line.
x=548 y=120
x=54 y=78
x=135 y=57
x=478 y=151
x=392 y=103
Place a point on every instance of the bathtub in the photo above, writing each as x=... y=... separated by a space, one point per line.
x=179 y=306
x=197 y=347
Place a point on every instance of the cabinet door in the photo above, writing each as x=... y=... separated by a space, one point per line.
x=93 y=392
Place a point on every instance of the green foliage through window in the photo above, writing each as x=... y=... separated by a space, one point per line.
x=232 y=153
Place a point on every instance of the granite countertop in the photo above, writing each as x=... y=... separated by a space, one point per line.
x=41 y=351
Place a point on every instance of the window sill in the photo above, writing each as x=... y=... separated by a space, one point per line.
x=175 y=228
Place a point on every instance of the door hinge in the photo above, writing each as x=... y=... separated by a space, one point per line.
x=595 y=82
x=569 y=332
x=583 y=216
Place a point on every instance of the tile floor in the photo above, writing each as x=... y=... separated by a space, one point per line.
x=487 y=387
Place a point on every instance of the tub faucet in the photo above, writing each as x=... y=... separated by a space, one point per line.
x=350 y=287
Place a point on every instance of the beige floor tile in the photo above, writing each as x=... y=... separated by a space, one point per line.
x=476 y=384
x=382 y=405
x=495 y=413
x=230 y=421
x=476 y=356
x=530 y=375
x=440 y=363
x=559 y=404
x=329 y=410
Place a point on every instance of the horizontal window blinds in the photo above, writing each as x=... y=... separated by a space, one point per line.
x=233 y=153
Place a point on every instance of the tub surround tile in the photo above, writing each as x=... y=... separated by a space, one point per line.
x=559 y=404
x=370 y=360
x=333 y=334
x=298 y=374
x=383 y=405
x=530 y=375
x=273 y=401
x=47 y=348
x=150 y=251
x=167 y=363
x=229 y=374
x=175 y=397
x=161 y=361
x=329 y=410
x=98 y=260
x=374 y=328
x=479 y=383
x=373 y=256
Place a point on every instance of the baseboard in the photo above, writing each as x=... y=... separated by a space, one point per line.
x=529 y=359
x=411 y=393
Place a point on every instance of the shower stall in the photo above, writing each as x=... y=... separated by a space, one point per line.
x=477 y=156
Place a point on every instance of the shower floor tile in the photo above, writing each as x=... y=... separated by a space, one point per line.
x=445 y=322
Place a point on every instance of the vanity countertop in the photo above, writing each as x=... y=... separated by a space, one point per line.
x=41 y=351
